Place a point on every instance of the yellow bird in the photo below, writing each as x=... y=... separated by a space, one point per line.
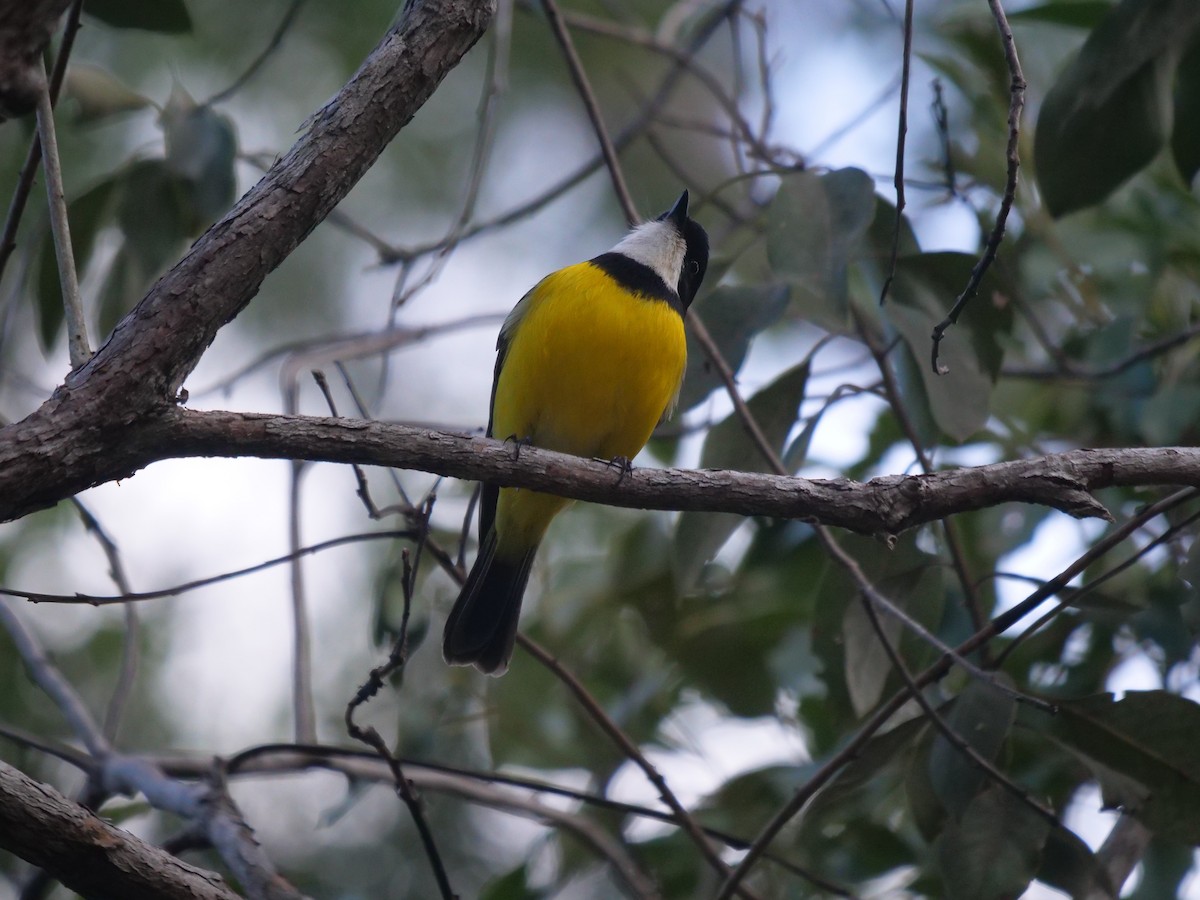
x=587 y=363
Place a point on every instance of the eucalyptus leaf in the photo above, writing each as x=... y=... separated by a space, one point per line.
x=971 y=351
x=700 y=535
x=733 y=316
x=1143 y=750
x=815 y=226
x=167 y=16
x=1185 y=133
x=993 y=850
x=1110 y=111
x=982 y=716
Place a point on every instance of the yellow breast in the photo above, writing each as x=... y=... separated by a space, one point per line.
x=590 y=367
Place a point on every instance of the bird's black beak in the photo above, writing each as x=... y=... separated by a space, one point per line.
x=677 y=214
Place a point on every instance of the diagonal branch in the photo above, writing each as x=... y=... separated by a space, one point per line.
x=138 y=371
x=89 y=855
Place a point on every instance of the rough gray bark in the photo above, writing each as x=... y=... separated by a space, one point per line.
x=25 y=29
x=75 y=439
x=88 y=855
x=97 y=425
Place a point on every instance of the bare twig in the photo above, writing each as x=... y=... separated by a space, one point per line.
x=226 y=829
x=1075 y=596
x=369 y=736
x=100 y=600
x=77 y=339
x=878 y=599
x=631 y=751
x=851 y=748
x=130 y=640
x=871 y=597
x=33 y=158
x=575 y=66
x=899 y=408
x=1012 y=154
x=47 y=676
x=303 y=708
x=901 y=135
x=273 y=44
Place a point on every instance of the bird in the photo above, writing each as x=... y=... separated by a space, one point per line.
x=588 y=362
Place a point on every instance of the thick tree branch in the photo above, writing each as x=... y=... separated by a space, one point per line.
x=87 y=854
x=140 y=368
x=886 y=505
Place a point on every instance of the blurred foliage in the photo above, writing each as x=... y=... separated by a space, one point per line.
x=1081 y=335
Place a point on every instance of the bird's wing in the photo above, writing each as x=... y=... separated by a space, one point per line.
x=491 y=493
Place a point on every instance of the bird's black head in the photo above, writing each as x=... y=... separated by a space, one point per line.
x=695 y=259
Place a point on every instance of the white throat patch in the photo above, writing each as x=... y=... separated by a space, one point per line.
x=657 y=245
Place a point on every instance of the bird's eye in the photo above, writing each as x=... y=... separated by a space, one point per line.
x=693 y=267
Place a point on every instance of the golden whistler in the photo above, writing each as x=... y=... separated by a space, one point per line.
x=587 y=363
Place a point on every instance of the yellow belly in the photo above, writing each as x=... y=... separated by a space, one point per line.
x=589 y=370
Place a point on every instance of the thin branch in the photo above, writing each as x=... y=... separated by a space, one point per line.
x=131 y=639
x=878 y=599
x=33 y=157
x=899 y=408
x=275 y=758
x=273 y=44
x=870 y=597
x=1012 y=154
x=751 y=426
x=77 y=339
x=1069 y=370
x=850 y=750
x=303 y=706
x=226 y=829
x=101 y=600
x=579 y=77
x=901 y=135
x=47 y=676
x=495 y=86
x=941 y=122
x=1073 y=598
x=631 y=751
x=369 y=736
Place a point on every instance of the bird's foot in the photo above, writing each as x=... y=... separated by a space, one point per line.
x=624 y=464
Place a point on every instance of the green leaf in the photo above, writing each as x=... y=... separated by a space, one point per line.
x=1110 y=111
x=98 y=94
x=993 y=850
x=814 y=227
x=1144 y=752
x=972 y=350
x=1075 y=13
x=917 y=592
x=1069 y=865
x=168 y=16
x=1164 y=866
x=201 y=149
x=728 y=446
x=1185 y=136
x=733 y=316
x=883 y=753
x=982 y=716
x=154 y=214
x=513 y=885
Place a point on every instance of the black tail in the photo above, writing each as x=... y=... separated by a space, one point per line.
x=482 y=627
